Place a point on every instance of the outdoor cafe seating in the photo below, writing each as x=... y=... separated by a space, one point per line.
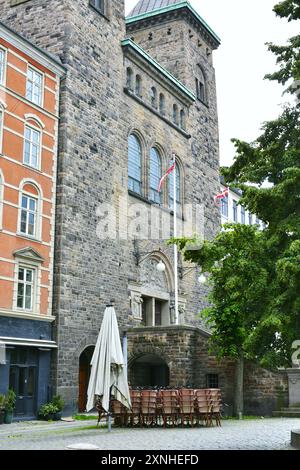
x=168 y=408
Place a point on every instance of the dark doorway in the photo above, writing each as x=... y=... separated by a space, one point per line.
x=149 y=371
x=84 y=376
x=23 y=380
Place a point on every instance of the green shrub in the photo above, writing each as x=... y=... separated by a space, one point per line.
x=47 y=410
x=10 y=401
x=58 y=402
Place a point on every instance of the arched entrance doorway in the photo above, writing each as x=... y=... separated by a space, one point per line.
x=149 y=371
x=84 y=376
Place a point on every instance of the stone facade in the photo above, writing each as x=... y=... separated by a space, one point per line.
x=98 y=113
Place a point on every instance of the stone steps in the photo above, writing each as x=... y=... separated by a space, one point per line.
x=295 y=441
x=287 y=413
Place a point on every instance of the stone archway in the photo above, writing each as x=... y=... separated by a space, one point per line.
x=84 y=376
x=149 y=370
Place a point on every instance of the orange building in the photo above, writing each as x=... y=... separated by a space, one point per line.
x=29 y=115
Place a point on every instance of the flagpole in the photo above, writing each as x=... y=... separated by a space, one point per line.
x=175 y=245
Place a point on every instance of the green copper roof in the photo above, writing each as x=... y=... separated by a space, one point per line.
x=162 y=70
x=172 y=7
x=148 y=5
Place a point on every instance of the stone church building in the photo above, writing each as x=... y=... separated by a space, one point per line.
x=136 y=90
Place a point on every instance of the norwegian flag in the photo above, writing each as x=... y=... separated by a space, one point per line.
x=170 y=170
x=221 y=196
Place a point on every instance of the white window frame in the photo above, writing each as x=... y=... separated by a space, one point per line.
x=39 y=131
x=37 y=71
x=33 y=285
x=38 y=198
x=4 y=67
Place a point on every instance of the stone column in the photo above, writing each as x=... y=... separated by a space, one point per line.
x=294 y=387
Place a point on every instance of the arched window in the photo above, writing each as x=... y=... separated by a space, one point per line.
x=162 y=104
x=138 y=85
x=201 y=90
x=32 y=146
x=153 y=95
x=129 y=78
x=175 y=114
x=134 y=164
x=29 y=211
x=182 y=119
x=155 y=175
x=178 y=190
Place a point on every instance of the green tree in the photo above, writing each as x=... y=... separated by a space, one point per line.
x=274 y=158
x=239 y=276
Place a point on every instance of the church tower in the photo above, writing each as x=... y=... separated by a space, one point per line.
x=175 y=35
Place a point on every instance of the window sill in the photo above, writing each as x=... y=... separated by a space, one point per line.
x=203 y=102
x=151 y=203
x=28 y=237
x=37 y=170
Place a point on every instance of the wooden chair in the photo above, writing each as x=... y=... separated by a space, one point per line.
x=186 y=406
x=120 y=413
x=101 y=411
x=135 y=412
x=149 y=407
x=216 y=405
x=169 y=407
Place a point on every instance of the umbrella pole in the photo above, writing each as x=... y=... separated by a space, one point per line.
x=109 y=423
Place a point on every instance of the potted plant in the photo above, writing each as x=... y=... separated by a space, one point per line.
x=10 y=404
x=59 y=403
x=47 y=412
x=2 y=408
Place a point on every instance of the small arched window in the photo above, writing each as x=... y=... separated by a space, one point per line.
x=201 y=86
x=178 y=190
x=129 y=78
x=134 y=164
x=153 y=95
x=155 y=175
x=162 y=104
x=182 y=119
x=175 y=114
x=138 y=85
x=30 y=211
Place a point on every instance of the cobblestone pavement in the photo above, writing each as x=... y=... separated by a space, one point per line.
x=260 y=434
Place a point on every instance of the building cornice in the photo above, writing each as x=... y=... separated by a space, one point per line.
x=134 y=51
x=31 y=50
x=182 y=7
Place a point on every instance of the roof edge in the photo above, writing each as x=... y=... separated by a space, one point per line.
x=129 y=43
x=32 y=50
x=173 y=7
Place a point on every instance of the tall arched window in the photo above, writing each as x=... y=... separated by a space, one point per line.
x=30 y=208
x=32 y=146
x=201 y=86
x=155 y=175
x=162 y=104
x=153 y=95
x=182 y=119
x=129 y=79
x=138 y=85
x=1 y=127
x=134 y=164
x=178 y=190
x=175 y=114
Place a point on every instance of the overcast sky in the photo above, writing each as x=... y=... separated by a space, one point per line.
x=245 y=99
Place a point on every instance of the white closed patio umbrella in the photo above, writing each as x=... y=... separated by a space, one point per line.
x=108 y=375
